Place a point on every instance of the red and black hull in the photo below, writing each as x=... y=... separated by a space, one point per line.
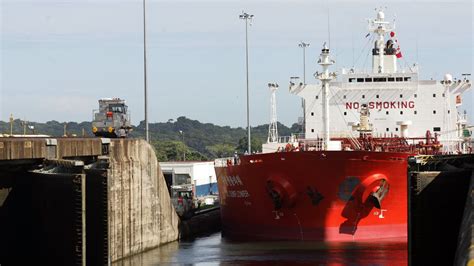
x=333 y=196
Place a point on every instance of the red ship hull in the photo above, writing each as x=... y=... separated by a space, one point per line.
x=333 y=196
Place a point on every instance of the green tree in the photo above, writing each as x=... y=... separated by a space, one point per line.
x=297 y=128
x=220 y=150
x=175 y=150
x=255 y=144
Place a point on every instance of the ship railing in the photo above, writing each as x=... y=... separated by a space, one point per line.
x=455 y=146
x=393 y=143
x=290 y=139
x=354 y=142
x=336 y=134
x=405 y=70
x=448 y=146
x=299 y=135
x=349 y=136
x=312 y=144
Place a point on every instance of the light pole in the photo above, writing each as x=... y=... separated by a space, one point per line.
x=303 y=103
x=247 y=17
x=184 y=144
x=145 y=81
x=25 y=124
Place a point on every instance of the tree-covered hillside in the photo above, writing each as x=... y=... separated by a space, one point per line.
x=202 y=141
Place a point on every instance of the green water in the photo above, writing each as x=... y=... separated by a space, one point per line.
x=215 y=250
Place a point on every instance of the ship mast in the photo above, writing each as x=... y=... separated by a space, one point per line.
x=325 y=77
x=380 y=27
x=272 y=128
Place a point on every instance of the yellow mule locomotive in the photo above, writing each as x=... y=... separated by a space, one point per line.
x=112 y=120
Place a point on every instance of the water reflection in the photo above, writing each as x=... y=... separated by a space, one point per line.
x=214 y=250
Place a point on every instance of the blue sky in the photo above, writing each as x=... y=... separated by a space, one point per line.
x=59 y=57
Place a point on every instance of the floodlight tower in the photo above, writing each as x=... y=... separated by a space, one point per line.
x=247 y=17
x=273 y=128
x=145 y=80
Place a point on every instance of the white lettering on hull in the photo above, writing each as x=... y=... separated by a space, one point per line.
x=238 y=194
x=230 y=181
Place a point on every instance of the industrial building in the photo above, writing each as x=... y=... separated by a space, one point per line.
x=200 y=174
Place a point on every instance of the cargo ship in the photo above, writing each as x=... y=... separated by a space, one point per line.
x=345 y=178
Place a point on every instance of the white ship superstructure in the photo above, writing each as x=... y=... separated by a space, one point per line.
x=399 y=103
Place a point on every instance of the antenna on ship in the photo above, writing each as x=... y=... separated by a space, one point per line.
x=325 y=77
x=272 y=128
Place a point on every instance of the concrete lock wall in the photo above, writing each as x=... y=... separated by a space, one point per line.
x=140 y=213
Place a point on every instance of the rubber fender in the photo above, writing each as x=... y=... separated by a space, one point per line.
x=374 y=187
x=284 y=188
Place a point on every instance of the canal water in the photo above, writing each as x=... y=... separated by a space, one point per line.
x=215 y=250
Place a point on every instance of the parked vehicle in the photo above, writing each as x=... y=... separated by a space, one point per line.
x=183 y=200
